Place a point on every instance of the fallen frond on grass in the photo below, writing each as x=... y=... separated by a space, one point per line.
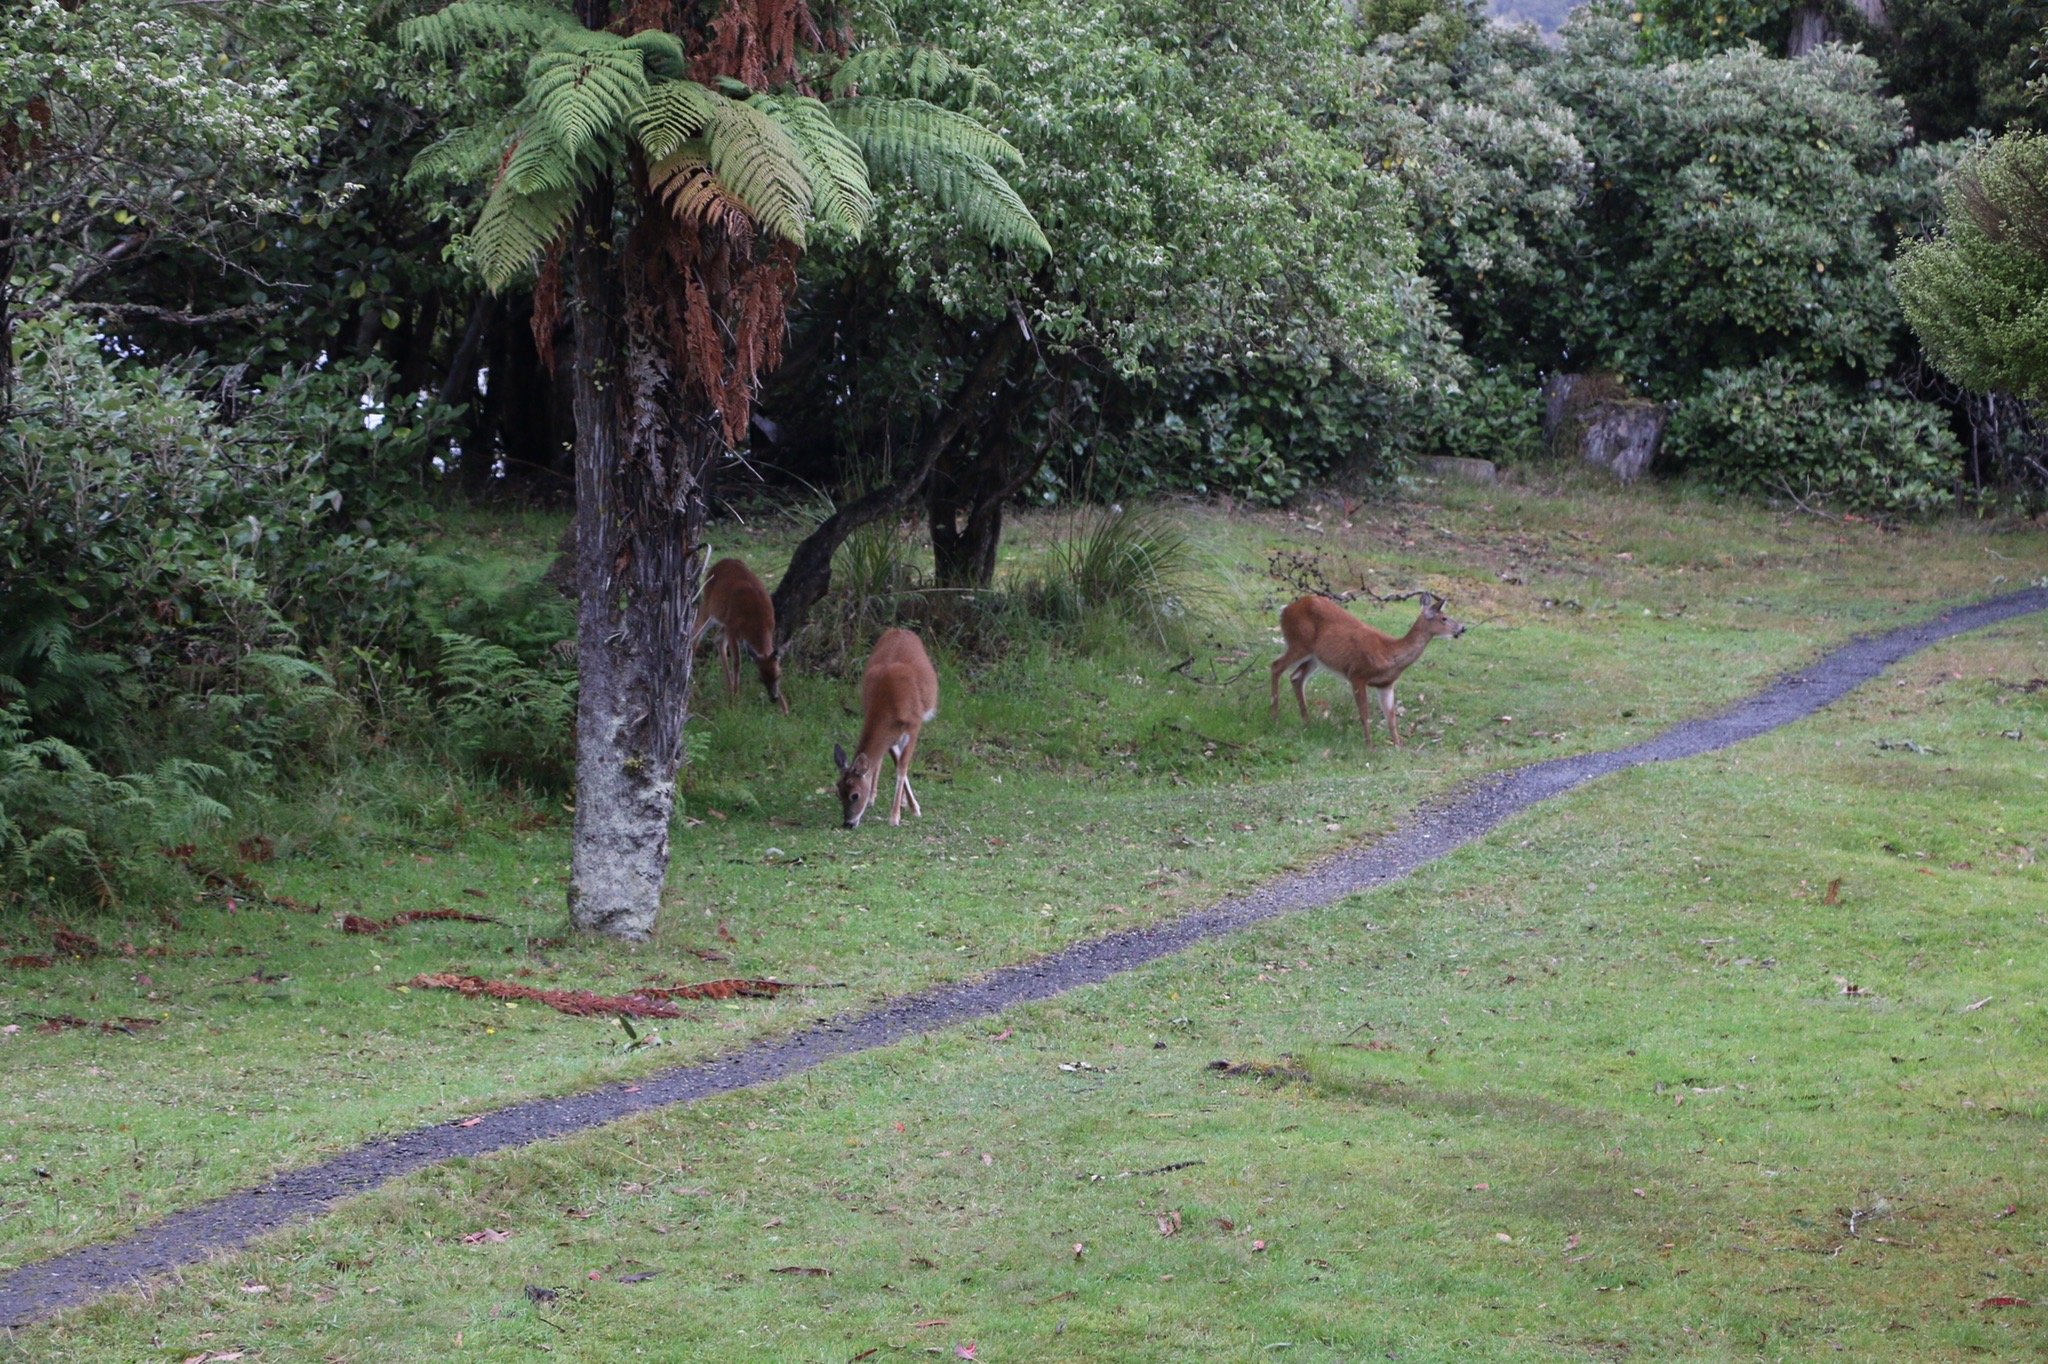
x=651 y=1002
x=52 y=1023
x=357 y=923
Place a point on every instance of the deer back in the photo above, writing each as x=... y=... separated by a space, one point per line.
x=899 y=690
x=1339 y=640
x=738 y=600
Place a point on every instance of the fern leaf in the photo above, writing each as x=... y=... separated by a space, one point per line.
x=663 y=55
x=464 y=157
x=485 y=24
x=893 y=129
x=841 y=198
x=516 y=226
x=941 y=161
x=916 y=70
x=674 y=112
x=762 y=166
x=586 y=90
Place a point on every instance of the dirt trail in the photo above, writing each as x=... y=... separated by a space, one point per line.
x=1433 y=831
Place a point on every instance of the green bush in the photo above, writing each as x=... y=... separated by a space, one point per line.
x=70 y=833
x=1497 y=416
x=503 y=718
x=150 y=548
x=1769 y=431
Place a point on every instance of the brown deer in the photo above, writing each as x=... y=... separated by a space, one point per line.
x=737 y=602
x=1320 y=633
x=899 y=693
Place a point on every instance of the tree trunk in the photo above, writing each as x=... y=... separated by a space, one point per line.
x=809 y=576
x=639 y=522
x=967 y=530
x=964 y=507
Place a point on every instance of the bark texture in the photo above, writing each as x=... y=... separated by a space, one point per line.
x=640 y=462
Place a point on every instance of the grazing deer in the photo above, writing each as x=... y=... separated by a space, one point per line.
x=899 y=693
x=1320 y=633
x=737 y=602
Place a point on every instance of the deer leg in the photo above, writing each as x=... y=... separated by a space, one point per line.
x=903 y=775
x=1301 y=676
x=1281 y=665
x=1362 y=694
x=1387 y=708
x=729 y=655
x=901 y=751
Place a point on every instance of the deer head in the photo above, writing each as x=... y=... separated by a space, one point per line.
x=856 y=785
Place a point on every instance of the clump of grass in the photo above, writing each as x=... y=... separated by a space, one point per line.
x=1126 y=570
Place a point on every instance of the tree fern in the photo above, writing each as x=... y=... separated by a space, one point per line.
x=949 y=157
x=841 y=197
x=464 y=157
x=486 y=24
x=913 y=70
x=585 y=89
x=675 y=112
x=897 y=129
x=760 y=164
x=786 y=161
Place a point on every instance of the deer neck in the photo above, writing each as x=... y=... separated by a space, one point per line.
x=1409 y=647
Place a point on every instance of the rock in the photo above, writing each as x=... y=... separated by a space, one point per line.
x=1464 y=470
x=1594 y=417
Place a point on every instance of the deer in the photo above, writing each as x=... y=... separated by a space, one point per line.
x=899 y=695
x=1320 y=633
x=737 y=602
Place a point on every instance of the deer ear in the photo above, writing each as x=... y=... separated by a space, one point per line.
x=839 y=756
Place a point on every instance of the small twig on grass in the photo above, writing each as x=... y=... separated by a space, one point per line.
x=1142 y=1174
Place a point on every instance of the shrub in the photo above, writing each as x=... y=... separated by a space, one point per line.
x=71 y=833
x=1769 y=431
x=1132 y=568
x=504 y=718
x=1497 y=416
x=151 y=548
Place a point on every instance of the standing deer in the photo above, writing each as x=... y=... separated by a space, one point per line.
x=899 y=693
x=737 y=602
x=1320 y=633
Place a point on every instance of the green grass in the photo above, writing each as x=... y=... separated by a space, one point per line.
x=1067 y=794
x=1590 y=1089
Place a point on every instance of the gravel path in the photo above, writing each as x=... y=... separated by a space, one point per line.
x=230 y=1222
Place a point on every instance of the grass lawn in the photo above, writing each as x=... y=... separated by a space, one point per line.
x=1072 y=792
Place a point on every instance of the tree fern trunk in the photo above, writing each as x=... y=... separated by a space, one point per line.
x=639 y=520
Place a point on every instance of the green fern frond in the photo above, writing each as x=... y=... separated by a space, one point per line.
x=841 y=198
x=664 y=56
x=762 y=166
x=944 y=161
x=915 y=70
x=486 y=24
x=528 y=209
x=586 y=89
x=675 y=112
x=892 y=129
x=464 y=157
